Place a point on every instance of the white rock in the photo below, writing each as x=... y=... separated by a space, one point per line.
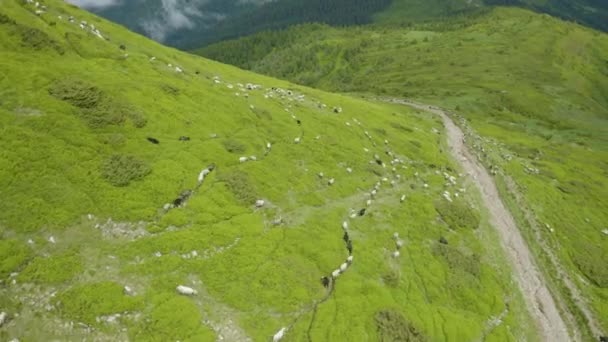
x=185 y=290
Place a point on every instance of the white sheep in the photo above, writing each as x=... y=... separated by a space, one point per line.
x=3 y=317
x=343 y=267
x=331 y=181
x=321 y=175
x=402 y=199
x=243 y=159
x=253 y=158
x=373 y=193
x=259 y=203
x=399 y=244
x=297 y=140
x=396 y=254
x=279 y=335
x=52 y=239
x=396 y=235
x=201 y=176
x=335 y=274
x=369 y=202
x=345 y=225
x=185 y=290
x=268 y=146
x=349 y=170
x=349 y=260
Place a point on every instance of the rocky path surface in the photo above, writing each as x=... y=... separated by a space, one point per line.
x=541 y=304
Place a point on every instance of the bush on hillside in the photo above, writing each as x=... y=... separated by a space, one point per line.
x=458 y=214
x=392 y=326
x=77 y=93
x=38 y=40
x=239 y=184
x=120 y=170
x=234 y=146
x=457 y=260
x=589 y=258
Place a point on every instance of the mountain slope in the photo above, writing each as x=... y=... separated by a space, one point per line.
x=101 y=129
x=532 y=86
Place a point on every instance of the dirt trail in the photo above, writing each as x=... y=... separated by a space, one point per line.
x=540 y=303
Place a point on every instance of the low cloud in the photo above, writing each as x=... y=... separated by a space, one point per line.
x=94 y=4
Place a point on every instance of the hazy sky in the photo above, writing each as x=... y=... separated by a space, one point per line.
x=94 y=3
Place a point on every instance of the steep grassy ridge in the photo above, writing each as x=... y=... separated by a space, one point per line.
x=534 y=87
x=91 y=156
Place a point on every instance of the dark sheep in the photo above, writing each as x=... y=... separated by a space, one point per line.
x=362 y=212
x=197 y=72
x=184 y=138
x=379 y=162
x=299 y=122
x=444 y=241
x=122 y=47
x=346 y=238
x=325 y=281
x=183 y=197
x=349 y=247
x=153 y=140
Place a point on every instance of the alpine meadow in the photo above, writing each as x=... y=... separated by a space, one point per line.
x=419 y=171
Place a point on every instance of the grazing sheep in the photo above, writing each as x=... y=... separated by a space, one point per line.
x=396 y=254
x=373 y=193
x=343 y=267
x=185 y=290
x=396 y=235
x=335 y=274
x=362 y=212
x=3 y=318
x=345 y=225
x=325 y=281
x=52 y=239
x=369 y=202
x=203 y=174
x=443 y=241
x=350 y=259
x=349 y=170
x=349 y=247
x=320 y=174
x=331 y=181
x=399 y=244
x=253 y=158
x=268 y=146
x=243 y=159
x=279 y=335
x=297 y=140
x=153 y=140
x=402 y=199
x=259 y=203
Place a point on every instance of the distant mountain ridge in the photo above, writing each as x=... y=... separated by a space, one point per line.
x=190 y=24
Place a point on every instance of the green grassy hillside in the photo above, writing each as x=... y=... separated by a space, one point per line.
x=534 y=87
x=102 y=130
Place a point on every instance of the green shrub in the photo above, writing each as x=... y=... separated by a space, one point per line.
x=234 y=146
x=86 y=302
x=12 y=255
x=590 y=260
x=457 y=260
x=52 y=270
x=393 y=327
x=458 y=214
x=38 y=40
x=391 y=279
x=120 y=170
x=77 y=92
x=239 y=184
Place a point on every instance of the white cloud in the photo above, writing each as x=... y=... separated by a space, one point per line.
x=94 y=4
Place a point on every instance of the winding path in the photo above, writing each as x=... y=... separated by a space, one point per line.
x=540 y=303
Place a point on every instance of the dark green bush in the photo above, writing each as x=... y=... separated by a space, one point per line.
x=234 y=146
x=590 y=259
x=393 y=327
x=77 y=92
x=120 y=170
x=457 y=260
x=239 y=184
x=458 y=214
x=38 y=40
